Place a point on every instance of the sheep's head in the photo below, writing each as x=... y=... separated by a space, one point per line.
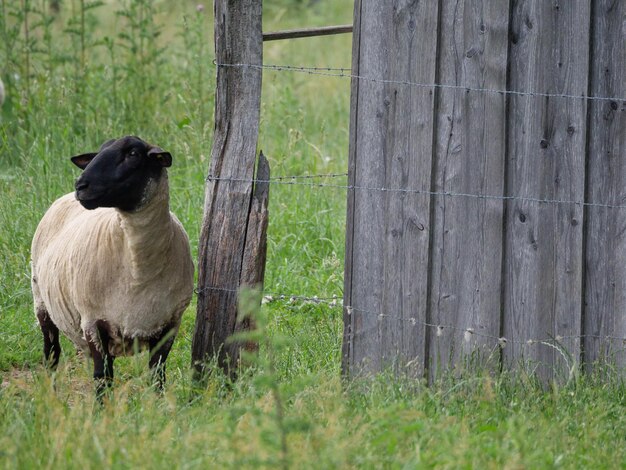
x=120 y=174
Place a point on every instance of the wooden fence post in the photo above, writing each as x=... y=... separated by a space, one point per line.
x=605 y=274
x=228 y=226
x=391 y=141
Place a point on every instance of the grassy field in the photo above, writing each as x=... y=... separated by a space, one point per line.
x=80 y=79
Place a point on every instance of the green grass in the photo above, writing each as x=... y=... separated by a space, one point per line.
x=290 y=408
x=386 y=423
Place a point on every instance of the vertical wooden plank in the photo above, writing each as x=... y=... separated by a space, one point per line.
x=605 y=279
x=391 y=147
x=470 y=149
x=549 y=44
x=348 y=317
x=238 y=40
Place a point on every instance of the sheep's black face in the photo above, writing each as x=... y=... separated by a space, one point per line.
x=120 y=174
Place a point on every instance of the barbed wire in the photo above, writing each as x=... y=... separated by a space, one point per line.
x=291 y=180
x=470 y=332
x=346 y=73
x=300 y=177
x=440 y=329
x=269 y=297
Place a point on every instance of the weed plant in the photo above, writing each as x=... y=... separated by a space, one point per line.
x=99 y=69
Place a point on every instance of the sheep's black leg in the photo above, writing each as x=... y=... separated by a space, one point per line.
x=51 y=346
x=102 y=360
x=160 y=347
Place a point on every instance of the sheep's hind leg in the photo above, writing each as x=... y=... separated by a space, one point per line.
x=160 y=347
x=102 y=360
x=51 y=345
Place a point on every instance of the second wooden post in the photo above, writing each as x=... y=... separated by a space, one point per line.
x=228 y=226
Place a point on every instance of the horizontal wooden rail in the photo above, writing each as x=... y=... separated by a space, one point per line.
x=307 y=32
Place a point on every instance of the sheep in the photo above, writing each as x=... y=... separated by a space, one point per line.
x=111 y=265
x=1 y=93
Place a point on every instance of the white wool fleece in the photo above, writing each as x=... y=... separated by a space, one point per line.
x=132 y=270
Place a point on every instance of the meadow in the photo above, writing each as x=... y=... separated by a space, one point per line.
x=97 y=70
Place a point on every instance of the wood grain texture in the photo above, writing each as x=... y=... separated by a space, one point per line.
x=238 y=39
x=605 y=275
x=348 y=317
x=255 y=250
x=549 y=52
x=391 y=147
x=470 y=151
x=523 y=269
x=254 y=253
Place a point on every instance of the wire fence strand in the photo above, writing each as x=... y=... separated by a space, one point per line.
x=347 y=73
x=293 y=180
x=440 y=329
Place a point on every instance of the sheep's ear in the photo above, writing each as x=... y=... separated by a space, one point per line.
x=81 y=161
x=164 y=158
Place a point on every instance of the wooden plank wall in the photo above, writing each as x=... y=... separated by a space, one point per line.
x=516 y=268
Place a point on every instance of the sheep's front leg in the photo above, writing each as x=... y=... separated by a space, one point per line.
x=160 y=347
x=98 y=342
x=51 y=346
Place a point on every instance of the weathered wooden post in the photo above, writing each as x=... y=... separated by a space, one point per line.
x=232 y=239
x=391 y=146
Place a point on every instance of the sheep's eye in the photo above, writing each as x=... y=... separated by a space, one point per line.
x=133 y=153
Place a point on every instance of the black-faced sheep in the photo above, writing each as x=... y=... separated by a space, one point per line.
x=111 y=265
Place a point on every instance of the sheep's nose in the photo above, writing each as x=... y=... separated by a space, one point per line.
x=80 y=185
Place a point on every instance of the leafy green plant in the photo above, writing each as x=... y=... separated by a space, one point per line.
x=198 y=64
x=266 y=376
x=79 y=29
x=10 y=44
x=141 y=61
